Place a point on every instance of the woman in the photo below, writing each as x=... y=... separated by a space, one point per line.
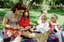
x=11 y=20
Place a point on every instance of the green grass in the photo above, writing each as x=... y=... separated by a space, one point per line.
x=35 y=13
x=1 y=26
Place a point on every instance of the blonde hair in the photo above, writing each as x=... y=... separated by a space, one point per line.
x=54 y=17
x=44 y=17
x=43 y=11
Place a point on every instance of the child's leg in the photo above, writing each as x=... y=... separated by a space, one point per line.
x=18 y=39
x=56 y=28
x=26 y=34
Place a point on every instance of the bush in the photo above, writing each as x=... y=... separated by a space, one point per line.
x=35 y=7
x=53 y=8
x=6 y=4
x=1 y=26
x=1 y=4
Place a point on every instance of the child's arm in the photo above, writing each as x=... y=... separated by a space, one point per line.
x=55 y=24
x=32 y=29
x=38 y=20
x=56 y=28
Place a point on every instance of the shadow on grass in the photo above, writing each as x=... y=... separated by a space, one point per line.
x=1 y=27
x=59 y=12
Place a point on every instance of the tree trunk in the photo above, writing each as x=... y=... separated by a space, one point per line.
x=21 y=1
x=31 y=3
x=26 y=3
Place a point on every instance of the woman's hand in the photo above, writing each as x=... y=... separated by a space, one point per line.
x=34 y=27
x=27 y=27
x=17 y=28
x=31 y=29
x=21 y=27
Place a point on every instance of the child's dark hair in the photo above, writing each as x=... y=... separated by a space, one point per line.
x=24 y=14
x=18 y=6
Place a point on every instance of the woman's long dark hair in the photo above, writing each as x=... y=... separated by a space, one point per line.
x=18 y=6
x=24 y=14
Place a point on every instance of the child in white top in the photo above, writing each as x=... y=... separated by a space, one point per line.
x=44 y=30
x=44 y=26
x=43 y=12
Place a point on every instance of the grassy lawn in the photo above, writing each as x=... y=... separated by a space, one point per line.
x=35 y=13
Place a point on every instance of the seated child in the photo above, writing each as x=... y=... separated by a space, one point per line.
x=60 y=34
x=44 y=26
x=53 y=22
x=52 y=25
x=44 y=29
x=43 y=12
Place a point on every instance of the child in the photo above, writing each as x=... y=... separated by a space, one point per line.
x=43 y=12
x=53 y=24
x=25 y=23
x=44 y=25
x=44 y=29
x=60 y=34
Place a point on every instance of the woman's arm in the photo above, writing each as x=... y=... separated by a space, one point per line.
x=4 y=23
x=18 y=25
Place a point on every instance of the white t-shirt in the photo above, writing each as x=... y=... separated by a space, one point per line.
x=43 y=27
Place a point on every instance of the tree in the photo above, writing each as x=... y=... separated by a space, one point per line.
x=21 y=1
x=31 y=3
